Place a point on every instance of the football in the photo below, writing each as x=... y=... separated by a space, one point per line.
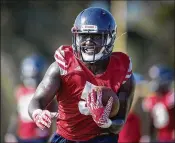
x=106 y=94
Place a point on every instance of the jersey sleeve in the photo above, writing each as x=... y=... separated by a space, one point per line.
x=128 y=64
x=61 y=60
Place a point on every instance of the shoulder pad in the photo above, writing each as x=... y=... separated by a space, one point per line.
x=62 y=57
x=125 y=60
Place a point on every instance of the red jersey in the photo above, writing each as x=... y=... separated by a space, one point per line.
x=162 y=110
x=27 y=129
x=74 y=122
x=131 y=131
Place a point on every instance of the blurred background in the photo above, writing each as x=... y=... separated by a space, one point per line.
x=145 y=32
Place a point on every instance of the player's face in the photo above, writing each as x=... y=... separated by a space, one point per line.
x=91 y=43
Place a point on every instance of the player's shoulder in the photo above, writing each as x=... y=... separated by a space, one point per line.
x=122 y=60
x=63 y=56
x=64 y=48
x=120 y=55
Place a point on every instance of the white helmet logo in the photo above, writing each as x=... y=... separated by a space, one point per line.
x=89 y=28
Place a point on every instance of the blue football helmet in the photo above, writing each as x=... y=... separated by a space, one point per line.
x=32 y=70
x=98 y=27
x=161 y=77
x=161 y=73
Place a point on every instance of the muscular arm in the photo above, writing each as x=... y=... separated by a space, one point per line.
x=46 y=90
x=126 y=94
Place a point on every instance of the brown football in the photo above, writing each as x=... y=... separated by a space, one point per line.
x=106 y=94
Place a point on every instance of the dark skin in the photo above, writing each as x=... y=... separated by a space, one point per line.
x=50 y=85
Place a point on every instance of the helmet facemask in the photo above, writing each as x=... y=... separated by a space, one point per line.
x=92 y=46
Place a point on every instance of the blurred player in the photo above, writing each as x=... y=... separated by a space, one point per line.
x=22 y=129
x=161 y=105
x=78 y=68
x=131 y=132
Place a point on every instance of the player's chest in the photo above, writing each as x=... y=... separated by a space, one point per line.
x=79 y=81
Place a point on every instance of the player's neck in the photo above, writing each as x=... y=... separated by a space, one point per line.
x=98 y=67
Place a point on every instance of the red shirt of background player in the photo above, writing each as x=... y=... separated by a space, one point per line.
x=131 y=130
x=76 y=82
x=27 y=128
x=162 y=110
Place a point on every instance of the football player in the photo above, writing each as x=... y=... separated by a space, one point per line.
x=161 y=105
x=89 y=62
x=22 y=128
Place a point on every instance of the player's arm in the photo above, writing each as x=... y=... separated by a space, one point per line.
x=46 y=90
x=125 y=94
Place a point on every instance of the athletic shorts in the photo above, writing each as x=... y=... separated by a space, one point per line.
x=99 y=139
x=41 y=140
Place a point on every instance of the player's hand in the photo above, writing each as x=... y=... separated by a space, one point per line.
x=43 y=118
x=100 y=113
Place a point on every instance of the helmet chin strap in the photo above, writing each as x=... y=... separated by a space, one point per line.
x=90 y=58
